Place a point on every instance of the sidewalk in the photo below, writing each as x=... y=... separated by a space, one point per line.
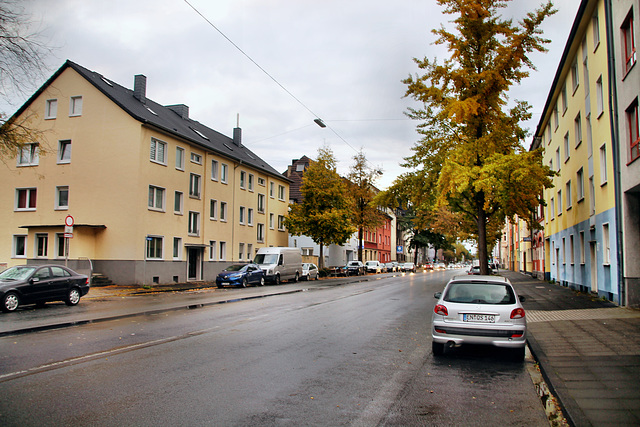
x=588 y=351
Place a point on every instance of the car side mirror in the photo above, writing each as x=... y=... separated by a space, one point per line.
x=35 y=280
x=437 y=295
x=521 y=298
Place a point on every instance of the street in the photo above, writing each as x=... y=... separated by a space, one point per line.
x=356 y=354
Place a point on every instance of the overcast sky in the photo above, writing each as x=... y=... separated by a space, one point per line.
x=342 y=60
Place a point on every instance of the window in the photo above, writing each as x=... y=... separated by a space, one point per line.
x=549 y=133
x=585 y=69
x=578 y=129
x=628 y=43
x=19 y=246
x=281 y=192
x=223 y=211
x=180 y=158
x=64 y=151
x=260 y=232
x=51 y=109
x=606 y=244
x=242 y=213
x=595 y=23
x=177 y=202
x=29 y=155
x=575 y=75
x=42 y=243
x=75 y=106
x=634 y=137
x=243 y=179
x=156 y=198
x=589 y=137
x=558 y=159
x=571 y=250
x=280 y=222
x=223 y=251
x=556 y=117
x=154 y=247
x=592 y=196
x=212 y=250
x=177 y=248
x=599 y=97
x=567 y=191
x=62 y=197
x=261 y=182
x=224 y=169
x=271 y=218
x=271 y=190
x=240 y=251
x=564 y=99
x=213 y=209
x=261 y=203
x=194 y=186
x=249 y=251
x=603 y=165
x=61 y=243
x=250 y=182
x=196 y=158
x=580 y=185
x=26 y=199
x=566 y=147
x=158 y=151
x=582 y=250
x=249 y=216
x=194 y=223
x=559 y=202
x=214 y=170
x=564 y=249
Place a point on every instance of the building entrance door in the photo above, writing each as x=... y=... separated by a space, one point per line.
x=194 y=263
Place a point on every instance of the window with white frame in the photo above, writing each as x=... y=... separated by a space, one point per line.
x=154 y=247
x=566 y=147
x=249 y=216
x=26 y=199
x=177 y=202
x=62 y=197
x=196 y=158
x=606 y=244
x=595 y=27
x=260 y=232
x=212 y=250
x=567 y=191
x=158 y=151
x=194 y=223
x=556 y=117
x=604 y=176
x=64 y=151
x=243 y=179
x=60 y=243
x=214 y=170
x=261 y=203
x=240 y=251
x=29 y=155
x=224 y=172
x=592 y=196
x=589 y=136
x=156 y=198
x=271 y=190
x=582 y=248
x=261 y=182
x=42 y=245
x=577 y=123
x=281 y=195
x=223 y=211
x=75 y=106
x=564 y=99
x=281 y=222
x=599 y=97
x=271 y=221
x=250 y=182
x=19 y=246
x=180 y=158
x=580 y=184
x=564 y=250
x=223 y=251
x=559 y=202
x=194 y=186
x=177 y=248
x=241 y=218
x=213 y=209
x=558 y=159
x=571 y=250
x=51 y=109
x=575 y=75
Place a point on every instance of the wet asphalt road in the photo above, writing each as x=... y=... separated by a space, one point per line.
x=357 y=354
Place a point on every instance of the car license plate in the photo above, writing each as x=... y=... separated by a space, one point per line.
x=480 y=318
x=225 y=283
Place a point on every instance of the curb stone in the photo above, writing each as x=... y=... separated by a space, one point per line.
x=549 y=402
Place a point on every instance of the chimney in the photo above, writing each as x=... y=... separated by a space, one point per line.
x=237 y=136
x=180 y=109
x=140 y=87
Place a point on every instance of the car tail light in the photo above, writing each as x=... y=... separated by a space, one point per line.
x=517 y=313
x=441 y=310
x=518 y=334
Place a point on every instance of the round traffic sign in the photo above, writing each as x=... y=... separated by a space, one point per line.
x=68 y=221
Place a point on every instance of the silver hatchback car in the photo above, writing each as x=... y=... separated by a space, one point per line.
x=479 y=310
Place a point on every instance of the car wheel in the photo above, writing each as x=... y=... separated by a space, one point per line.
x=276 y=279
x=517 y=354
x=437 y=348
x=244 y=282
x=73 y=297
x=317 y=276
x=295 y=279
x=10 y=302
x=262 y=281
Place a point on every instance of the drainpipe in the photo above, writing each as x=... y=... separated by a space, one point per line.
x=615 y=146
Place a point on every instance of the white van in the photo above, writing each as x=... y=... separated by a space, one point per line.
x=279 y=263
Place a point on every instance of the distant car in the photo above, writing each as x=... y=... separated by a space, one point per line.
x=408 y=266
x=439 y=266
x=241 y=275
x=373 y=266
x=479 y=310
x=390 y=267
x=475 y=270
x=310 y=271
x=428 y=266
x=355 y=268
x=39 y=284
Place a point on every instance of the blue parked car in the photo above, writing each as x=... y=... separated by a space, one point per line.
x=241 y=275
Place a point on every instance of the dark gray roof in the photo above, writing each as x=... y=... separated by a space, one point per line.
x=165 y=118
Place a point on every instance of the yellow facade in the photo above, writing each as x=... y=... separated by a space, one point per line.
x=121 y=199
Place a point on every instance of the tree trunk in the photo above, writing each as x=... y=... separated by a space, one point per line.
x=321 y=258
x=482 y=234
x=360 y=245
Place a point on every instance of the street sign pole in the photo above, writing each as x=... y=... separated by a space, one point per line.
x=68 y=234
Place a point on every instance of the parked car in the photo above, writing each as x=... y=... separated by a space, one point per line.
x=428 y=266
x=390 y=267
x=373 y=266
x=310 y=271
x=475 y=270
x=479 y=310
x=408 y=266
x=280 y=263
x=241 y=275
x=38 y=284
x=355 y=268
x=439 y=266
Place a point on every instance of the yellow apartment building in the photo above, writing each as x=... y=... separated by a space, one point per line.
x=575 y=130
x=155 y=196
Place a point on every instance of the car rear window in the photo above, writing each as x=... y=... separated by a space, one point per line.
x=480 y=293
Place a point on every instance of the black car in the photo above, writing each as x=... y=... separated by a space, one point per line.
x=355 y=268
x=241 y=275
x=38 y=284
